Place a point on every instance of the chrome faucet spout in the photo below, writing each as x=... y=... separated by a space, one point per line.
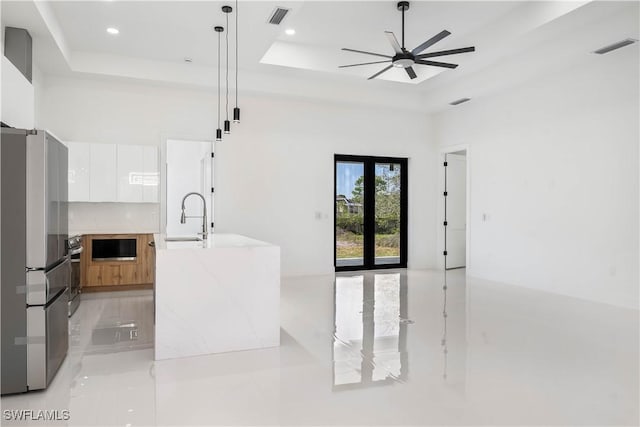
x=183 y=218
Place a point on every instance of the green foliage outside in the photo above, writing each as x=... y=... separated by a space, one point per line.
x=387 y=194
x=387 y=217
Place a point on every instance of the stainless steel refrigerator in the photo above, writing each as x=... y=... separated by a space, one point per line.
x=35 y=270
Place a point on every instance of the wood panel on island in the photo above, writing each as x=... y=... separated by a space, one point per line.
x=117 y=262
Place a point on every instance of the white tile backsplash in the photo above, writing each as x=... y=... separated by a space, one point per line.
x=92 y=218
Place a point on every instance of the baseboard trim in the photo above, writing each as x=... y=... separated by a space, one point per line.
x=117 y=288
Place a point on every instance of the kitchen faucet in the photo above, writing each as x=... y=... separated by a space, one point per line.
x=183 y=218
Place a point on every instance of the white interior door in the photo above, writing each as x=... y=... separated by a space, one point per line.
x=456 y=200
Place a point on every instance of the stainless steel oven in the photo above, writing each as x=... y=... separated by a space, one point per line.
x=75 y=249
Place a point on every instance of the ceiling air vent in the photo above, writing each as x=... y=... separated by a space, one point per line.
x=460 y=101
x=614 y=46
x=278 y=15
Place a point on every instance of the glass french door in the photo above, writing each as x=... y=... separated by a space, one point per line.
x=370 y=212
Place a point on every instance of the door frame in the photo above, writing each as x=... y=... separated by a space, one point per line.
x=441 y=204
x=369 y=211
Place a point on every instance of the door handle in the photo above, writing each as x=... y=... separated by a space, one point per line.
x=152 y=244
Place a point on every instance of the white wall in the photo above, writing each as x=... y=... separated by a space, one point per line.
x=554 y=166
x=274 y=174
x=17 y=97
x=38 y=82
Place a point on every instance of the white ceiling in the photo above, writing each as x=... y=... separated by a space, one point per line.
x=322 y=29
x=165 y=30
x=514 y=39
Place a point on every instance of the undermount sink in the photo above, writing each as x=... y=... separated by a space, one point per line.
x=183 y=239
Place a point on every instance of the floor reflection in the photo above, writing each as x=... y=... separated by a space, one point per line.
x=113 y=322
x=370 y=336
x=393 y=347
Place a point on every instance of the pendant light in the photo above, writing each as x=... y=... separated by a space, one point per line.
x=227 y=124
x=236 y=110
x=219 y=131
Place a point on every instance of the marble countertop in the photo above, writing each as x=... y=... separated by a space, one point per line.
x=213 y=241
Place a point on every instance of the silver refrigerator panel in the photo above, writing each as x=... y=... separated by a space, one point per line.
x=46 y=200
x=63 y=198
x=44 y=285
x=13 y=259
x=47 y=340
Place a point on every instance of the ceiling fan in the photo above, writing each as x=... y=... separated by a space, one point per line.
x=406 y=59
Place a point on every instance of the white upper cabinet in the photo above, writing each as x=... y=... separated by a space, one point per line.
x=102 y=175
x=151 y=182
x=79 y=160
x=130 y=173
x=113 y=173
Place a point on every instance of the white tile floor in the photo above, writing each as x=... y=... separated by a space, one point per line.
x=390 y=348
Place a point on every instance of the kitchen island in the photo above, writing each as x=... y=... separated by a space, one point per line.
x=217 y=295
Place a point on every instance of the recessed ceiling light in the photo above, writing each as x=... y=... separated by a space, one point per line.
x=112 y=30
x=290 y=31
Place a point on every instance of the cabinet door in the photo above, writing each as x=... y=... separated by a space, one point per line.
x=151 y=175
x=110 y=275
x=129 y=274
x=103 y=173
x=131 y=174
x=147 y=258
x=78 y=175
x=93 y=276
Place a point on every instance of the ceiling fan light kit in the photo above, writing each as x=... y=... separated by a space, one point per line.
x=406 y=59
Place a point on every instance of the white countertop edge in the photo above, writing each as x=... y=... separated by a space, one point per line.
x=213 y=241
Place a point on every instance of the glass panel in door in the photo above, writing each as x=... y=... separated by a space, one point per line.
x=387 y=213
x=349 y=214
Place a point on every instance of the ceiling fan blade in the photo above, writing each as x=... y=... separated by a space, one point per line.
x=380 y=72
x=394 y=41
x=411 y=73
x=446 y=52
x=364 y=63
x=366 y=53
x=436 y=64
x=433 y=40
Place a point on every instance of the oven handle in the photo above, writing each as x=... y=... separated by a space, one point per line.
x=76 y=251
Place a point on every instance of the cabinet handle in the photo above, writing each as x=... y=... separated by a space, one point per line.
x=152 y=244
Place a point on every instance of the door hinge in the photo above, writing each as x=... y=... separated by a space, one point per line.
x=213 y=154
x=444 y=253
x=445 y=194
x=212 y=225
x=446 y=164
x=212 y=189
x=445 y=223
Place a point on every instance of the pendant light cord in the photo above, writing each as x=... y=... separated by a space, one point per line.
x=227 y=72
x=218 y=80
x=236 y=53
